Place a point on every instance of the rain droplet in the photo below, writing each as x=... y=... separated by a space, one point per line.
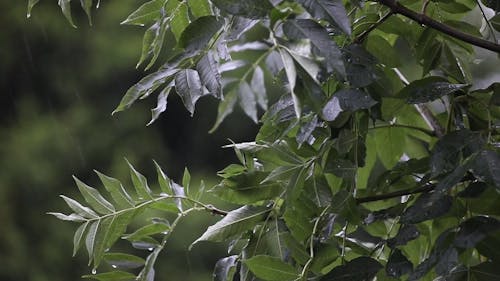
x=150 y=249
x=94 y=271
x=114 y=266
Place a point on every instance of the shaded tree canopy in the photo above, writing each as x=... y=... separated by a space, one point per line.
x=377 y=150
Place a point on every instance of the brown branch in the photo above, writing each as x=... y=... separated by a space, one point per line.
x=360 y=38
x=395 y=194
x=425 y=20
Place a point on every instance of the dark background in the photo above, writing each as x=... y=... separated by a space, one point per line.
x=58 y=86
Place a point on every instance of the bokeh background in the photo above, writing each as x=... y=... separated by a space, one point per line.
x=58 y=87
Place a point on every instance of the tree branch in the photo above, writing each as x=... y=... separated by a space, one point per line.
x=395 y=194
x=365 y=33
x=425 y=20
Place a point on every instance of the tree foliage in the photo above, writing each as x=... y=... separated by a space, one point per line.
x=377 y=158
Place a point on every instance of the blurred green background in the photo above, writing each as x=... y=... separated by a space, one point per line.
x=58 y=87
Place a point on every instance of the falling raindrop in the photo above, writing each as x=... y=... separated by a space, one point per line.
x=114 y=266
x=94 y=271
x=151 y=249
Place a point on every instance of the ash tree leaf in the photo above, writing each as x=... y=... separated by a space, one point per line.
x=140 y=183
x=487 y=167
x=427 y=206
x=291 y=74
x=146 y=14
x=225 y=268
x=429 y=89
x=323 y=45
x=474 y=230
x=94 y=198
x=188 y=87
x=447 y=261
x=161 y=104
x=148 y=272
x=178 y=17
x=120 y=260
x=209 y=74
x=87 y=7
x=234 y=223
x=200 y=8
x=407 y=233
x=198 y=33
x=31 y=4
x=252 y=9
x=493 y=4
x=116 y=190
x=115 y=275
x=299 y=224
x=145 y=86
x=70 y=217
x=271 y=268
x=383 y=51
x=226 y=107
x=358 y=269
x=248 y=101
x=79 y=208
x=78 y=237
x=332 y=11
x=398 y=264
x=148 y=230
x=259 y=88
x=66 y=10
x=353 y=100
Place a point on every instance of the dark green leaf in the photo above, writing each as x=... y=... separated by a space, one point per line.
x=473 y=190
x=474 y=230
x=358 y=269
x=331 y=10
x=148 y=272
x=426 y=207
x=225 y=269
x=188 y=86
x=299 y=224
x=447 y=261
x=487 y=167
x=405 y=234
x=398 y=264
x=250 y=8
x=495 y=22
x=429 y=89
x=323 y=45
x=119 y=260
x=94 y=198
x=161 y=105
x=209 y=73
x=66 y=10
x=271 y=268
x=383 y=51
x=87 y=7
x=31 y=4
x=150 y=229
x=234 y=223
x=198 y=33
x=248 y=100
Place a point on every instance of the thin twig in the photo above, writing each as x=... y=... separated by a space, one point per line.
x=446 y=29
x=360 y=38
x=395 y=194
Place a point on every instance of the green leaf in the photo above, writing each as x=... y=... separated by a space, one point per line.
x=225 y=268
x=186 y=180
x=427 y=206
x=323 y=46
x=148 y=272
x=291 y=74
x=146 y=14
x=161 y=105
x=259 y=88
x=299 y=224
x=474 y=230
x=112 y=276
x=115 y=188
x=271 y=268
x=209 y=73
x=94 y=198
x=178 y=16
x=31 y=4
x=66 y=10
x=358 y=269
x=248 y=101
x=331 y=10
x=346 y=100
x=495 y=22
x=383 y=51
x=119 y=260
x=234 y=223
x=79 y=208
x=198 y=33
x=71 y=217
x=87 y=7
x=429 y=89
x=145 y=87
x=140 y=183
x=398 y=264
x=226 y=107
x=188 y=87
x=78 y=237
x=250 y=8
x=200 y=8
x=148 y=230
x=390 y=144
x=405 y=234
x=487 y=167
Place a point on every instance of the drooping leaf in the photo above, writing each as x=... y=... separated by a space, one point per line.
x=429 y=89
x=248 y=100
x=474 y=230
x=226 y=107
x=331 y=10
x=198 y=33
x=66 y=10
x=120 y=260
x=323 y=46
x=271 y=268
x=209 y=73
x=188 y=86
x=87 y=7
x=358 y=269
x=146 y=14
x=148 y=272
x=225 y=268
x=234 y=223
x=161 y=105
x=250 y=9
x=31 y=4
x=94 y=198
x=427 y=206
x=259 y=88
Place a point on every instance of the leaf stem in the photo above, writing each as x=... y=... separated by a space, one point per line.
x=425 y=131
x=361 y=37
x=395 y=194
x=397 y=8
